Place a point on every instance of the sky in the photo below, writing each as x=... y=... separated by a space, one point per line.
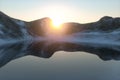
x=82 y=11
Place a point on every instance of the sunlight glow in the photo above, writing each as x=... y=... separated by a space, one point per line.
x=56 y=21
x=56 y=28
x=58 y=13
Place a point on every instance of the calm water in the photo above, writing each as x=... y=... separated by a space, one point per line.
x=61 y=66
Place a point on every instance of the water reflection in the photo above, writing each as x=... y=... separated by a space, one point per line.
x=61 y=66
x=40 y=49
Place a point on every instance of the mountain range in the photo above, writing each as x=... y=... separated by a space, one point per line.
x=21 y=38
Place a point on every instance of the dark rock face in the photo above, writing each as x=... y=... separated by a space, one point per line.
x=14 y=39
x=8 y=26
x=19 y=38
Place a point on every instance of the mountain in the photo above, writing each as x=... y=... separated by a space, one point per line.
x=105 y=24
x=21 y=38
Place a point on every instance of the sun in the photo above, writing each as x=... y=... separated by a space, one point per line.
x=56 y=28
x=56 y=21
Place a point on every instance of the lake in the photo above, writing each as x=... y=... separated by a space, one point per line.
x=61 y=66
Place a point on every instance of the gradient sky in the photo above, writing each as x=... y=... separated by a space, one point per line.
x=68 y=10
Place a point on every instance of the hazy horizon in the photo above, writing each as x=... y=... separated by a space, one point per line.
x=82 y=11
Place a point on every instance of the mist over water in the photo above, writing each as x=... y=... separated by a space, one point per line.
x=65 y=65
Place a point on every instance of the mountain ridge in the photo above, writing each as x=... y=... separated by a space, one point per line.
x=20 y=38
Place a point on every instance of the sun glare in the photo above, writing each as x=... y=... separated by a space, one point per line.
x=56 y=28
x=59 y=14
x=56 y=21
